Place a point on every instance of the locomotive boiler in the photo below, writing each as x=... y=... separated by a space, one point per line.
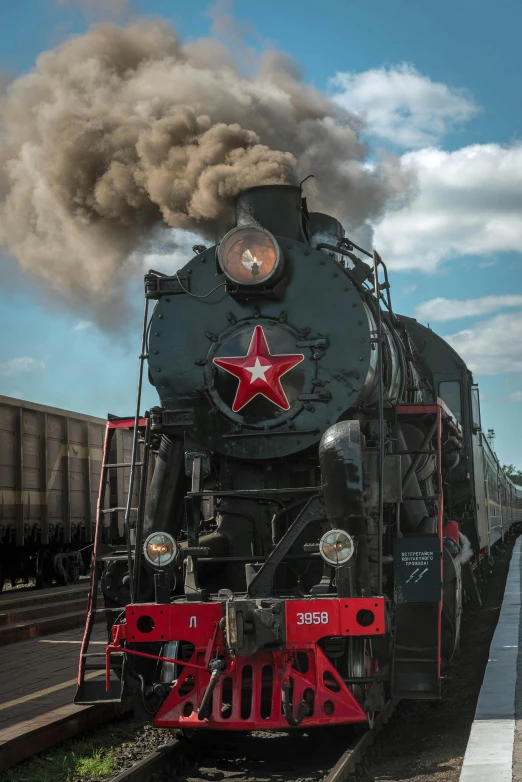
x=305 y=487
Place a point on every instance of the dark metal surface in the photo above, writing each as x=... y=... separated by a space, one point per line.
x=262 y=583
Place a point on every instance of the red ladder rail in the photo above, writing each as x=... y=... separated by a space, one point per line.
x=113 y=425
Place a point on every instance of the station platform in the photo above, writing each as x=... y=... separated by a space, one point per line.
x=494 y=751
x=37 y=687
x=40 y=674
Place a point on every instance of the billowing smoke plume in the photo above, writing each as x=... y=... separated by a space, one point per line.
x=122 y=130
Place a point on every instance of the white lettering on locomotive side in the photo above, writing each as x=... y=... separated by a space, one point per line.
x=417 y=558
x=313 y=618
x=193 y=622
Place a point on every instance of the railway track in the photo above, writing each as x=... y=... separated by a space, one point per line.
x=298 y=756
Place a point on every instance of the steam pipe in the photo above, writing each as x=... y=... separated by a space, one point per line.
x=376 y=260
x=415 y=510
x=162 y=495
x=141 y=511
x=142 y=357
x=333 y=248
x=349 y=241
x=417 y=458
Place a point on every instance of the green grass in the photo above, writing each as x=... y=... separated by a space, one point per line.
x=89 y=759
x=78 y=761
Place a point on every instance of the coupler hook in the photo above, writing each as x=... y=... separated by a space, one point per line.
x=216 y=667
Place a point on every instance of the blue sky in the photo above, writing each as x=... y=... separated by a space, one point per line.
x=438 y=85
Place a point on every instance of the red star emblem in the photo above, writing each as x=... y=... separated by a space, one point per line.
x=259 y=372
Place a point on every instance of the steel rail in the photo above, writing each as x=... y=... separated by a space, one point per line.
x=347 y=763
x=144 y=769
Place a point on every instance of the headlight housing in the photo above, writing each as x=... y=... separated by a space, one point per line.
x=336 y=547
x=160 y=549
x=250 y=256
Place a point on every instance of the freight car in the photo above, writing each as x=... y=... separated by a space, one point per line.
x=321 y=490
x=50 y=464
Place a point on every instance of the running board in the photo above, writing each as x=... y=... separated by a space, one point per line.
x=93 y=691
x=93 y=688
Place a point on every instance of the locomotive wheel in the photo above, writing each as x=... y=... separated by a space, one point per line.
x=451 y=606
x=44 y=569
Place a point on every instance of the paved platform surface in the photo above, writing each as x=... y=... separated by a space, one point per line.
x=39 y=675
x=494 y=751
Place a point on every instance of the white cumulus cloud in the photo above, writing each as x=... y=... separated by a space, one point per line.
x=19 y=365
x=402 y=106
x=82 y=325
x=441 y=309
x=491 y=346
x=468 y=202
x=516 y=396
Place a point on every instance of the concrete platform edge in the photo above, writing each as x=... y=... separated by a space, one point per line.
x=25 y=739
x=489 y=754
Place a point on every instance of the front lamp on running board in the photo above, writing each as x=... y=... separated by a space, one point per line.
x=336 y=547
x=160 y=549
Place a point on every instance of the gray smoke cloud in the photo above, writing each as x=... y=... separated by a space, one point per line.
x=122 y=131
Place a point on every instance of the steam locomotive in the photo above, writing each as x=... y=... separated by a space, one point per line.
x=313 y=496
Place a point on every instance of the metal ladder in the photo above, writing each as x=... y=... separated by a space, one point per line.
x=91 y=686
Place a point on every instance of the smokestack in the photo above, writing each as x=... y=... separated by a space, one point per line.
x=275 y=207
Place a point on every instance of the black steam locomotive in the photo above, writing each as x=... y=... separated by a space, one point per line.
x=311 y=494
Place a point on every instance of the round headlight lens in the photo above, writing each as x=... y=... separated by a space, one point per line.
x=160 y=549
x=336 y=547
x=249 y=256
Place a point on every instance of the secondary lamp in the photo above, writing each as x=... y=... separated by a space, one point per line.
x=249 y=256
x=336 y=547
x=160 y=549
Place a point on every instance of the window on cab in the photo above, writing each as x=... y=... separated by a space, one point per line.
x=449 y=392
x=475 y=407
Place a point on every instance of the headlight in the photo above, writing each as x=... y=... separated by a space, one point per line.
x=336 y=547
x=160 y=549
x=249 y=256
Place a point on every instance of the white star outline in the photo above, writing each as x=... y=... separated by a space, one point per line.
x=261 y=393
